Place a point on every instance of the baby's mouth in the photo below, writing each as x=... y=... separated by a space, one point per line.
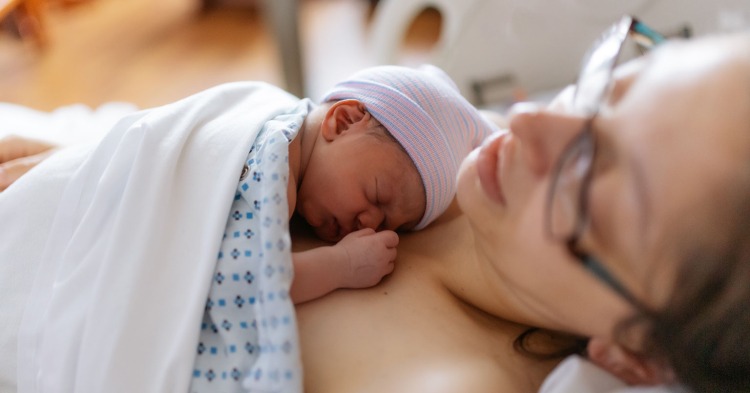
x=329 y=231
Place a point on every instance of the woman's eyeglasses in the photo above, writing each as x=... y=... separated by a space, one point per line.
x=567 y=212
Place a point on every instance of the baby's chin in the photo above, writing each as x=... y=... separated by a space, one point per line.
x=326 y=234
x=326 y=230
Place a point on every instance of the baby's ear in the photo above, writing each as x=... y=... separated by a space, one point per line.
x=341 y=116
x=632 y=368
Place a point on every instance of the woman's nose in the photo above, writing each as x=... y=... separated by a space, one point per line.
x=543 y=134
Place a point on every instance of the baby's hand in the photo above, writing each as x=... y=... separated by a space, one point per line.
x=370 y=256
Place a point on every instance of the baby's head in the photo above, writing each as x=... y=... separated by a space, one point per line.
x=410 y=129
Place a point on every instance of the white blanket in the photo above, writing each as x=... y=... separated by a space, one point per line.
x=118 y=295
x=577 y=375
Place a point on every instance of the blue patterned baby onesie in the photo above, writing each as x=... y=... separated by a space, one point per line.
x=248 y=339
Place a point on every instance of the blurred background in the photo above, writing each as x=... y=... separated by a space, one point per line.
x=59 y=52
x=151 y=52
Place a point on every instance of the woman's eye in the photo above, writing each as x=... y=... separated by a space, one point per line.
x=605 y=157
x=625 y=75
x=584 y=244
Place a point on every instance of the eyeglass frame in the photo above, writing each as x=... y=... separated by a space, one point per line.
x=585 y=142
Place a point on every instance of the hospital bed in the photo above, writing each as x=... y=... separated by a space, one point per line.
x=497 y=51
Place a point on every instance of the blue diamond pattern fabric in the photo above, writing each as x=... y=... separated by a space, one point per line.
x=248 y=337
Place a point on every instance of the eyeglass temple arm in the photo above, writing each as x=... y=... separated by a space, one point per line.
x=592 y=265
x=649 y=37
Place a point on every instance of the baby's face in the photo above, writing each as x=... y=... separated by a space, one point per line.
x=360 y=182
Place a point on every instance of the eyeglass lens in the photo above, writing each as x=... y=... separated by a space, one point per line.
x=565 y=206
x=593 y=80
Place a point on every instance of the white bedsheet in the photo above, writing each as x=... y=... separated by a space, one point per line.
x=68 y=125
x=108 y=315
x=577 y=375
x=76 y=125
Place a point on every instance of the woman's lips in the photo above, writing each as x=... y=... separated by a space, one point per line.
x=488 y=166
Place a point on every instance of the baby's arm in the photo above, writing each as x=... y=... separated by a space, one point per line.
x=359 y=260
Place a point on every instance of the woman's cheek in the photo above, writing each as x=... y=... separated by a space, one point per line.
x=468 y=192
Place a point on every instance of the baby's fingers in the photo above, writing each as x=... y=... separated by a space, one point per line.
x=360 y=233
x=391 y=256
x=389 y=238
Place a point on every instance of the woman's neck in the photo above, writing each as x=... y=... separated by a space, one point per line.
x=463 y=268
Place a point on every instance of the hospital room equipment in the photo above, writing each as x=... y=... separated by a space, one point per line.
x=496 y=49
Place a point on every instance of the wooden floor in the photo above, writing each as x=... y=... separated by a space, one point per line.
x=153 y=52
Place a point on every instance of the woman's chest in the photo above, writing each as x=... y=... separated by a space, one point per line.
x=384 y=339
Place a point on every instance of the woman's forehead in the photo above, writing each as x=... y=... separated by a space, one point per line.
x=716 y=59
x=703 y=84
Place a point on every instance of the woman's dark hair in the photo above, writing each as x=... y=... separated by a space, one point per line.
x=703 y=332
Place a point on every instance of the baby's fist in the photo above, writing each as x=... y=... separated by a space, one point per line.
x=368 y=256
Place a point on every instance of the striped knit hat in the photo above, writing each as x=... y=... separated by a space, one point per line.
x=423 y=109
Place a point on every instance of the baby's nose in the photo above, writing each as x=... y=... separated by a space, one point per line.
x=369 y=219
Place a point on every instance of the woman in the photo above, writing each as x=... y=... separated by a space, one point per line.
x=644 y=190
x=663 y=211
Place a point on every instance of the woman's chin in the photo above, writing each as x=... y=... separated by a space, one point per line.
x=485 y=215
x=469 y=192
x=466 y=181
